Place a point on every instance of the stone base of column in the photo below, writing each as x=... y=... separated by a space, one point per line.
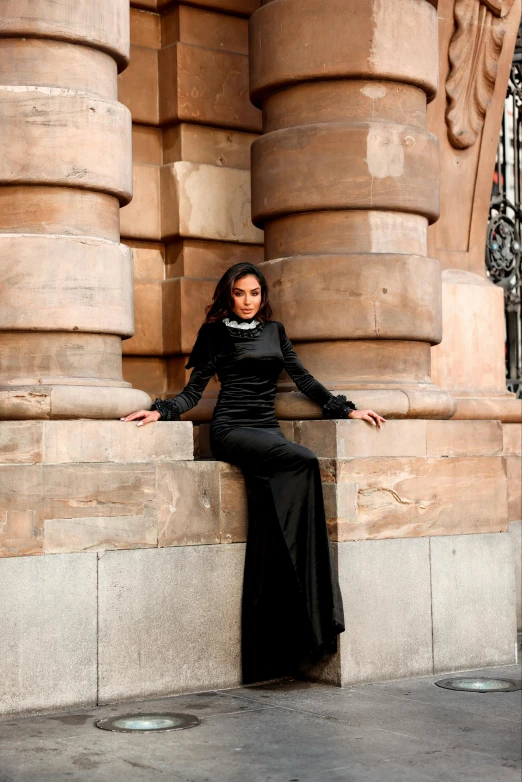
x=470 y=360
x=56 y=401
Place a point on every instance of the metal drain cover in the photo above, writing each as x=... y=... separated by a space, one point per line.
x=148 y=723
x=465 y=684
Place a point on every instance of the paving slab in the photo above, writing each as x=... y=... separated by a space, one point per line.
x=287 y=731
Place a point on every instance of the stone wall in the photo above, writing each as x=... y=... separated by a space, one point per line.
x=193 y=125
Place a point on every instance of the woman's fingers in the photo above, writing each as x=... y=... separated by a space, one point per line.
x=134 y=416
x=374 y=418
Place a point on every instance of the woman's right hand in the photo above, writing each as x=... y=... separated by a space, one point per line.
x=147 y=417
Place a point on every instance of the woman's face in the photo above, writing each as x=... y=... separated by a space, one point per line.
x=246 y=296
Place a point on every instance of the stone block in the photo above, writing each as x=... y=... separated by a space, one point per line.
x=357 y=306
x=207 y=202
x=149 y=319
x=48 y=608
x=201 y=502
x=100 y=25
x=32 y=62
x=43 y=358
x=514 y=487
x=193 y=258
x=146 y=145
x=473 y=598
x=48 y=287
x=59 y=210
x=141 y=218
x=138 y=86
x=86 y=491
x=21 y=442
x=386 y=595
x=62 y=536
x=203 y=28
x=512 y=439
x=148 y=260
x=411 y=497
x=304 y=169
x=357 y=439
x=169 y=621
x=215 y=147
x=367 y=41
x=220 y=97
x=184 y=302
x=464 y=438
x=76 y=139
x=145 y=29
x=515 y=532
x=71 y=442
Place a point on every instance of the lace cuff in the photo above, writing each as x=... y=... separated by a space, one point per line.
x=338 y=407
x=167 y=409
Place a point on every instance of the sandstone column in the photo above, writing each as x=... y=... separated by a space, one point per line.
x=65 y=169
x=345 y=181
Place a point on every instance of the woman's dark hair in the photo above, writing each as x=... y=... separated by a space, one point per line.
x=222 y=301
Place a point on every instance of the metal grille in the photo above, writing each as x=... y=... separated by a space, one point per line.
x=503 y=248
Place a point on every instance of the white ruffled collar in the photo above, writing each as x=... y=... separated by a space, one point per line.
x=243 y=325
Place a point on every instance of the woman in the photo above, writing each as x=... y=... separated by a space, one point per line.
x=292 y=608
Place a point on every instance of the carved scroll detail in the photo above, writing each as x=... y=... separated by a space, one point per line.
x=474 y=52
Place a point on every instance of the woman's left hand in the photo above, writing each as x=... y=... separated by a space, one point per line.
x=368 y=415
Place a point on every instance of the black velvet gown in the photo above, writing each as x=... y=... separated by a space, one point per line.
x=292 y=608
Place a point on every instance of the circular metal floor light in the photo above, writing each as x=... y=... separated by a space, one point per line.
x=148 y=723
x=468 y=684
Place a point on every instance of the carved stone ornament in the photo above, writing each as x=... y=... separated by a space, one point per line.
x=474 y=52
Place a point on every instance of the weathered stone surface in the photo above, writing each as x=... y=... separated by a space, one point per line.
x=464 y=438
x=215 y=147
x=32 y=357
x=411 y=497
x=306 y=169
x=62 y=536
x=145 y=29
x=399 y=45
x=169 y=620
x=512 y=435
x=48 y=639
x=346 y=232
x=65 y=284
x=388 y=581
x=515 y=532
x=353 y=438
x=341 y=101
x=63 y=401
x=221 y=98
x=193 y=258
x=149 y=318
x=101 y=25
x=87 y=140
x=200 y=502
x=514 y=486
x=59 y=210
x=148 y=260
x=138 y=85
x=21 y=442
x=73 y=491
x=471 y=355
x=357 y=305
x=473 y=601
x=146 y=145
x=204 y=28
x=70 y=442
x=207 y=202
x=39 y=63
x=141 y=218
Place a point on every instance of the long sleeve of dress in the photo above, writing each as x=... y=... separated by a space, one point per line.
x=333 y=406
x=204 y=367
